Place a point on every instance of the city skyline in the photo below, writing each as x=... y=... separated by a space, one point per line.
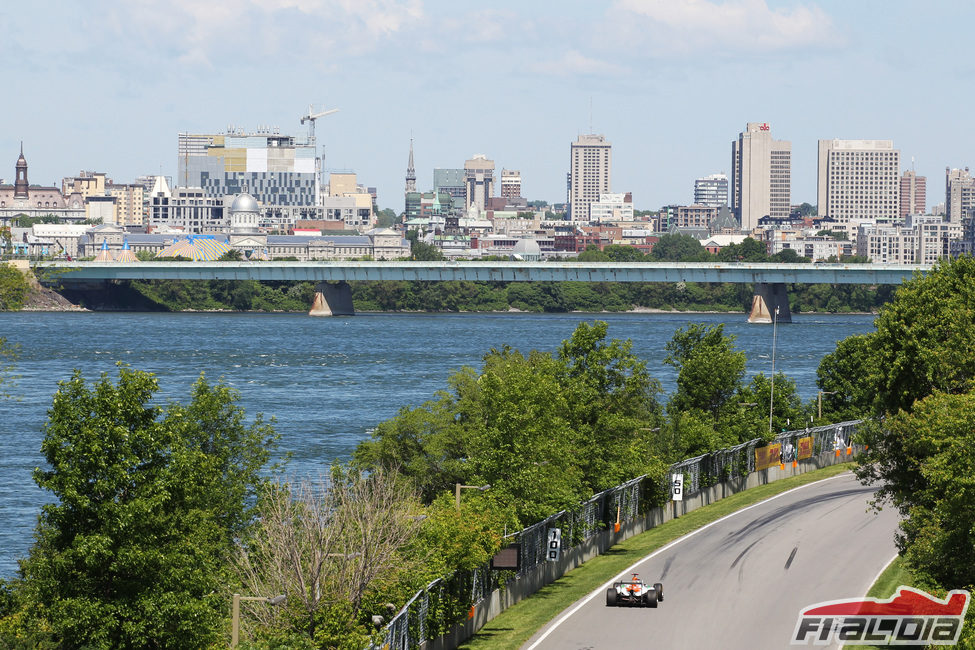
x=669 y=84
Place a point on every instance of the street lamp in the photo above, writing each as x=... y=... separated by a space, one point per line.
x=771 y=393
x=458 y=487
x=235 y=612
x=819 y=401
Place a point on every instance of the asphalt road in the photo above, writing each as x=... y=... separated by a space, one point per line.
x=741 y=582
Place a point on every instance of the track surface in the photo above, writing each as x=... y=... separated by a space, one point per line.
x=741 y=582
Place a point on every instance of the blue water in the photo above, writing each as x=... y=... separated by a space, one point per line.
x=326 y=381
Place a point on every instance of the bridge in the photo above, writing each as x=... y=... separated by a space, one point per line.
x=334 y=297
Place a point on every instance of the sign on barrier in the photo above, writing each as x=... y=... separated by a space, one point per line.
x=677 y=487
x=805 y=448
x=554 y=544
x=765 y=457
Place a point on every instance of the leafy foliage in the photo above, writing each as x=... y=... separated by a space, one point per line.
x=13 y=288
x=149 y=503
x=544 y=431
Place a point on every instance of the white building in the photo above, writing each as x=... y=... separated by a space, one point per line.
x=612 y=208
x=859 y=179
x=923 y=240
x=761 y=176
x=590 y=173
x=711 y=190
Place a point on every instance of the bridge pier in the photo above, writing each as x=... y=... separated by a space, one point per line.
x=332 y=299
x=769 y=296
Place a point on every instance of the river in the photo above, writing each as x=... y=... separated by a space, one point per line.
x=327 y=381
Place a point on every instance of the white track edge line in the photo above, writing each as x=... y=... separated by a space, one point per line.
x=660 y=550
x=874 y=581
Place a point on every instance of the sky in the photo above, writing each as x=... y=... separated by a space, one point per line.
x=106 y=86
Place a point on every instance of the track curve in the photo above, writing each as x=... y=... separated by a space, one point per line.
x=741 y=582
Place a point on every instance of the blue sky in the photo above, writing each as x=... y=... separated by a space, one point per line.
x=106 y=85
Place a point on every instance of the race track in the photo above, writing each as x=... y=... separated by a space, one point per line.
x=740 y=583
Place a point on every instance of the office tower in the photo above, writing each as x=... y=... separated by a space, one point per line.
x=590 y=173
x=452 y=182
x=761 y=175
x=510 y=183
x=859 y=179
x=277 y=170
x=913 y=194
x=711 y=190
x=959 y=195
x=479 y=181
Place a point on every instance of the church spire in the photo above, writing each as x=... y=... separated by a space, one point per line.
x=411 y=172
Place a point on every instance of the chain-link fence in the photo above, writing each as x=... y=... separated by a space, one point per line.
x=444 y=602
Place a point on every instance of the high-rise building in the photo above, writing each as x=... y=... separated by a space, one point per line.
x=129 y=203
x=761 y=175
x=452 y=182
x=479 y=181
x=510 y=183
x=859 y=179
x=612 y=208
x=959 y=195
x=590 y=173
x=913 y=194
x=277 y=170
x=711 y=190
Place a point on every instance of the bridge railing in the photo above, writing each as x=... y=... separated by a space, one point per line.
x=439 y=606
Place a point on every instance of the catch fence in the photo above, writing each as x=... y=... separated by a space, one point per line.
x=444 y=603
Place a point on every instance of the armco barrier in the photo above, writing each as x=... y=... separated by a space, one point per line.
x=588 y=531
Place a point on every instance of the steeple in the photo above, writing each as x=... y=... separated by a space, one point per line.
x=21 y=190
x=410 y=172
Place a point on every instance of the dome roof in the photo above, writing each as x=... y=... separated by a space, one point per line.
x=244 y=202
x=527 y=247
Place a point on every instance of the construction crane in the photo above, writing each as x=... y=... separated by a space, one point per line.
x=310 y=117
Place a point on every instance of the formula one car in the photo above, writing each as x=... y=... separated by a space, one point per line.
x=634 y=592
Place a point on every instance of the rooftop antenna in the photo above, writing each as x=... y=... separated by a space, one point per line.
x=590 y=115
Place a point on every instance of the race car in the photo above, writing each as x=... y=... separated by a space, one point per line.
x=634 y=592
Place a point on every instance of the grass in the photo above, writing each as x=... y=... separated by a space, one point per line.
x=513 y=627
x=895 y=575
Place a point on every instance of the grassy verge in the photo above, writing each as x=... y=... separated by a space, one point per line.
x=513 y=627
x=895 y=575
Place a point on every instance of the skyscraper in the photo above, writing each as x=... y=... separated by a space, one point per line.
x=510 y=183
x=913 y=194
x=859 y=179
x=761 y=175
x=711 y=190
x=959 y=194
x=590 y=173
x=479 y=180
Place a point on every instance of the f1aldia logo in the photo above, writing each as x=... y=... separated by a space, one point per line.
x=910 y=617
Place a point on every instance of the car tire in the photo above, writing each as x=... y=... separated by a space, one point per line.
x=611 y=597
x=650 y=598
x=659 y=588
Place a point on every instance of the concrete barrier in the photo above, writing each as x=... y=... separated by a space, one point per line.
x=519 y=588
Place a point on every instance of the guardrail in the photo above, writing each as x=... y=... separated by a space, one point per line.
x=434 y=610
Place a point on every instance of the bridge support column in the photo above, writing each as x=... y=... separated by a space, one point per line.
x=768 y=297
x=332 y=299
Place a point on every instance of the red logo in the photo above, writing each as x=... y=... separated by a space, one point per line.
x=910 y=617
x=763 y=127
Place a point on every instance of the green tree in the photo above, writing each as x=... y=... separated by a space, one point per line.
x=620 y=253
x=844 y=377
x=679 y=248
x=233 y=255
x=749 y=250
x=593 y=254
x=421 y=251
x=788 y=256
x=709 y=370
x=149 y=501
x=385 y=218
x=14 y=288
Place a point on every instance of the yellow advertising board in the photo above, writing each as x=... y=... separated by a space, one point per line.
x=805 y=448
x=766 y=457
